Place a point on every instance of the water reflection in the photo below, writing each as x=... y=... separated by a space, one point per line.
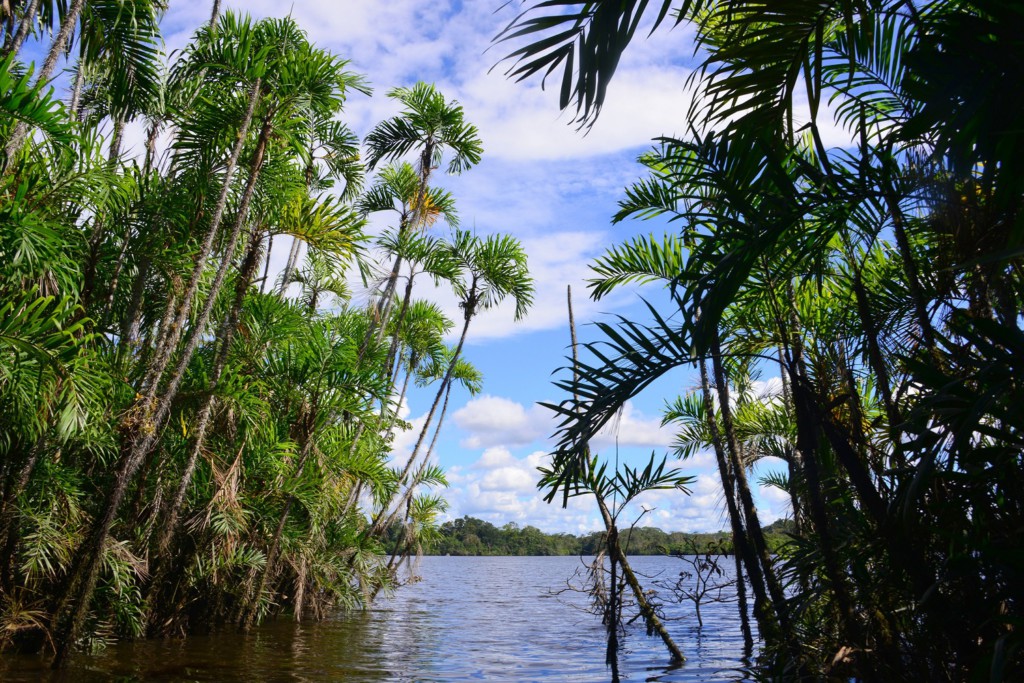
x=493 y=619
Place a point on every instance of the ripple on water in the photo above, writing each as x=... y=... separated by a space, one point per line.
x=470 y=618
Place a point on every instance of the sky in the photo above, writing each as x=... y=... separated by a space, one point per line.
x=553 y=188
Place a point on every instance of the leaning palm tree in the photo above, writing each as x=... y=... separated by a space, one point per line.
x=493 y=268
x=285 y=80
x=429 y=126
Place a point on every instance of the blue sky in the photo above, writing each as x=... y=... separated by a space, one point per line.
x=555 y=190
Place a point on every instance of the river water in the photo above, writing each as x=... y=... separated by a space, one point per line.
x=468 y=619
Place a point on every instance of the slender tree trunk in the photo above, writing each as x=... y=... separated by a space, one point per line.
x=59 y=45
x=24 y=26
x=57 y=48
x=807 y=444
x=407 y=495
x=116 y=140
x=141 y=433
x=741 y=542
x=616 y=554
x=266 y=263
x=741 y=604
x=76 y=91
x=376 y=527
x=401 y=398
x=152 y=133
x=402 y=312
x=382 y=308
x=9 y=535
x=290 y=266
x=225 y=336
x=215 y=13
x=746 y=499
x=178 y=314
x=132 y=321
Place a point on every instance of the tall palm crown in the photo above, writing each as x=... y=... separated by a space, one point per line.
x=429 y=124
x=494 y=268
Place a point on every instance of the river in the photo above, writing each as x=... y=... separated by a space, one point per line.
x=469 y=618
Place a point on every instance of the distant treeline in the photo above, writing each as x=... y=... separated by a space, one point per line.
x=471 y=536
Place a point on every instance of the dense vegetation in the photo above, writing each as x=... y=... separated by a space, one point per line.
x=471 y=536
x=185 y=441
x=881 y=279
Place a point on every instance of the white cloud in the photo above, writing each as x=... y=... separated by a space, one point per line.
x=632 y=428
x=500 y=487
x=496 y=421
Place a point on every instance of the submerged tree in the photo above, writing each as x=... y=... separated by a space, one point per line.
x=187 y=445
x=882 y=279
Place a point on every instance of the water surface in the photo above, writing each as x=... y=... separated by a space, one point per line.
x=468 y=619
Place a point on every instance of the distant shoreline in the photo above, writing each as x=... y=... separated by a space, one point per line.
x=471 y=537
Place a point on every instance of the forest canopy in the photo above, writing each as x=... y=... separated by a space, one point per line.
x=471 y=536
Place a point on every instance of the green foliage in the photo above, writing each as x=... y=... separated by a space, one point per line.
x=882 y=278
x=471 y=536
x=183 y=447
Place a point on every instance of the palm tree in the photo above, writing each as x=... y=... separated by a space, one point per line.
x=492 y=268
x=785 y=243
x=429 y=126
x=290 y=91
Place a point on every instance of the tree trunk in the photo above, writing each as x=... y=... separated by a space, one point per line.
x=398 y=406
x=24 y=26
x=116 y=140
x=178 y=314
x=225 y=336
x=132 y=321
x=266 y=263
x=402 y=312
x=76 y=91
x=746 y=499
x=651 y=618
x=407 y=495
x=807 y=444
x=741 y=542
x=741 y=604
x=57 y=48
x=141 y=429
x=290 y=266
x=9 y=534
x=376 y=527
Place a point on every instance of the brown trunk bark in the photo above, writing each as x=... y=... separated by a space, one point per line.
x=57 y=48
x=746 y=499
x=141 y=432
x=24 y=26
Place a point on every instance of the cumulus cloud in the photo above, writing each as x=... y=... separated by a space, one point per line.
x=632 y=428
x=500 y=487
x=493 y=421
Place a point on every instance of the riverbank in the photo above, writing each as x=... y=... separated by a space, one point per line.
x=469 y=536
